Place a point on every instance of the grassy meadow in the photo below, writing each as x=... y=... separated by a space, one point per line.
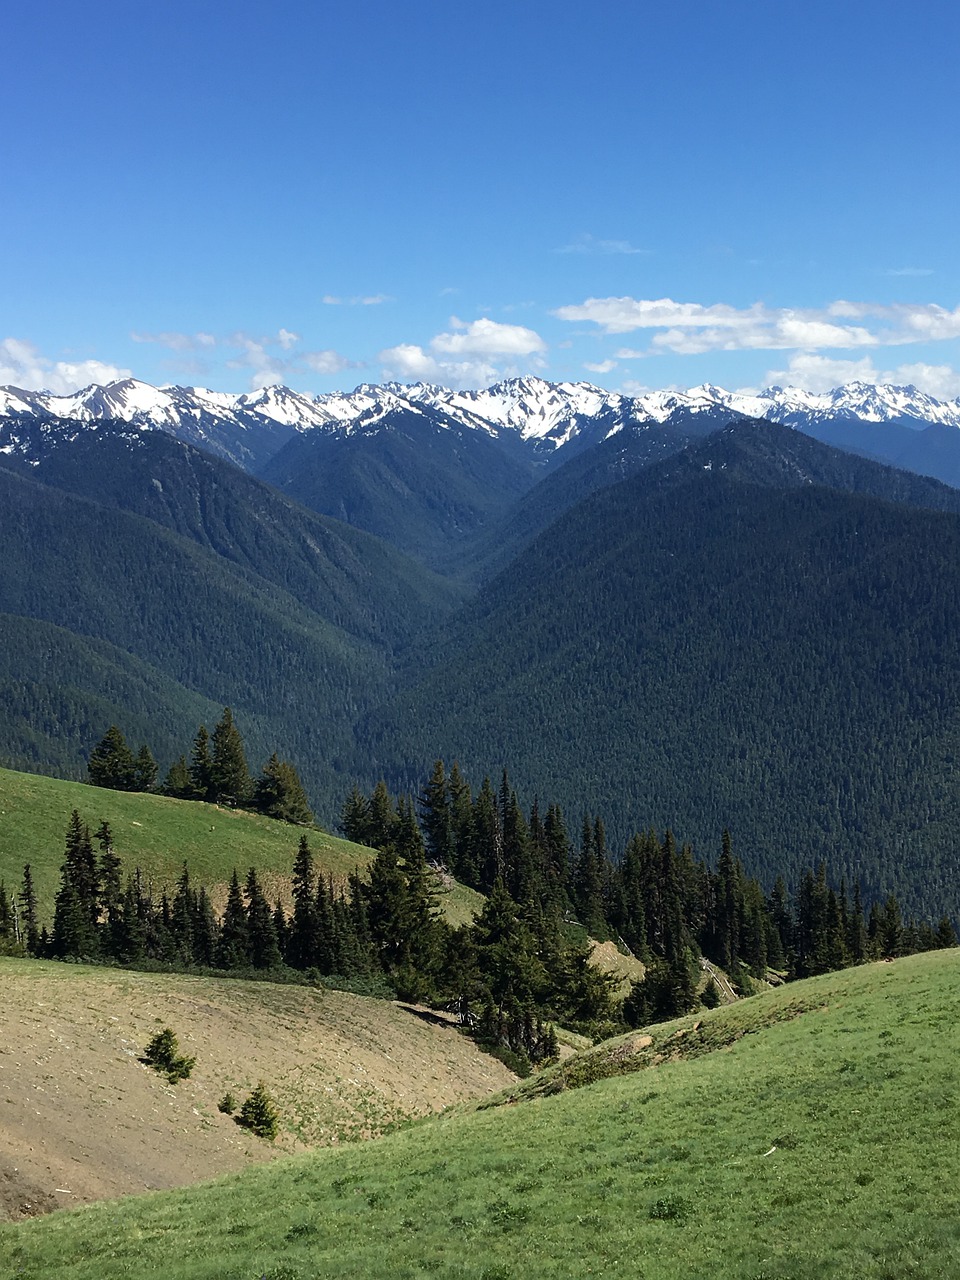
x=805 y=1134
x=158 y=835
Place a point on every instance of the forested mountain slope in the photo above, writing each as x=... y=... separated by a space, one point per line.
x=298 y=645
x=420 y=480
x=726 y=638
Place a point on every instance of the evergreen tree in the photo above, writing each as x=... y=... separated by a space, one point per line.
x=261 y=932
x=355 y=817
x=127 y=938
x=889 y=933
x=229 y=774
x=666 y=991
x=946 y=934
x=486 y=840
x=259 y=1115
x=588 y=884
x=380 y=817
x=110 y=877
x=201 y=766
x=177 y=783
x=427 y=929
x=9 y=934
x=182 y=918
x=506 y=951
x=205 y=933
x=111 y=762
x=436 y=817
x=233 y=950
x=76 y=908
x=145 y=770
x=461 y=821
x=388 y=911
x=280 y=928
x=301 y=951
x=279 y=793
x=857 y=941
x=28 y=913
x=559 y=851
x=729 y=907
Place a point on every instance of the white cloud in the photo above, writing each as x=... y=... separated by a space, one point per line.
x=178 y=341
x=690 y=328
x=360 y=300
x=266 y=368
x=408 y=362
x=908 y=271
x=488 y=338
x=464 y=357
x=23 y=365
x=821 y=373
x=624 y=315
x=326 y=361
x=587 y=243
x=603 y=366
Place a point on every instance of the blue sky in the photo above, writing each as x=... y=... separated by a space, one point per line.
x=322 y=194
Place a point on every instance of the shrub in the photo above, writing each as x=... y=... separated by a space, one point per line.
x=710 y=995
x=162 y=1054
x=671 y=1209
x=259 y=1115
x=227 y=1104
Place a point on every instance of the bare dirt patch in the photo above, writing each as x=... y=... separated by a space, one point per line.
x=81 y=1118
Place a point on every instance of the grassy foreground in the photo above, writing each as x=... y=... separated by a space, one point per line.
x=158 y=835
x=818 y=1139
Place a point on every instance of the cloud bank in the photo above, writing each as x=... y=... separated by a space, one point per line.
x=464 y=357
x=691 y=328
x=23 y=365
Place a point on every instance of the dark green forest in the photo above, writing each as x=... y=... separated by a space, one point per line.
x=778 y=661
x=752 y=633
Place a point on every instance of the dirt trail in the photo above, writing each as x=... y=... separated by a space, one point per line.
x=81 y=1118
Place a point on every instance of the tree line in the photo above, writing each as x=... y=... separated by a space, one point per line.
x=217 y=772
x=523 y=965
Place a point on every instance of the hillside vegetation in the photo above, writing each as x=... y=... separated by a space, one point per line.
x=694 y=646
x=817 y=1139
x=151 y=832
x=83 y=1118
x=158 y=835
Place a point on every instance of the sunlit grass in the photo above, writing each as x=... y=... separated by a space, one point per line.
x=815 y=1142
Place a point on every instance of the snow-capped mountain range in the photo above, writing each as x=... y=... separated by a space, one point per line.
x=249 y=428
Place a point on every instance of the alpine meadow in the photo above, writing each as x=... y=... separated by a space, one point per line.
x=479 y=668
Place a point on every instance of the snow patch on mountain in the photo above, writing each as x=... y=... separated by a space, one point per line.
x=549 y=415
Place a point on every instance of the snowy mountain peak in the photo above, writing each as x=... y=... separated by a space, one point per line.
x=248 y=428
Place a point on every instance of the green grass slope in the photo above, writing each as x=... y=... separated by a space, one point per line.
x=817 y=1140
x=158 y=835
x=151 y=832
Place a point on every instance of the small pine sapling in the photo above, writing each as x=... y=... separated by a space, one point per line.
x=162 y=1054
x=227 y=1104
x=710 y=995
x=259 y=1115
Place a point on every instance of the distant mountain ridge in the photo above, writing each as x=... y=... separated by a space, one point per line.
x=438 y=472
x=547 y=415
